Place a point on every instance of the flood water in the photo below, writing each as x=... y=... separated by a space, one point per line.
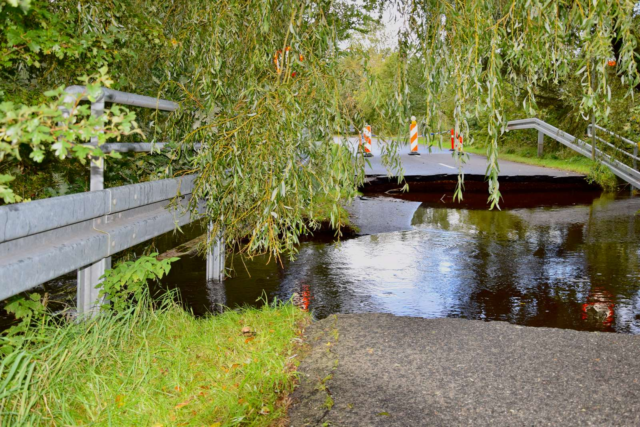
x=572 y=261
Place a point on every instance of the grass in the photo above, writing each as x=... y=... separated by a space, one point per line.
x=156 y=367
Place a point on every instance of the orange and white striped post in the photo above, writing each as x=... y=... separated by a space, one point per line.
x=367 y=141
x=456 y=141
x=453 y=140
x=413 y=137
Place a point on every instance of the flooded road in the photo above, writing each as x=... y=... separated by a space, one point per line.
x=573 y=261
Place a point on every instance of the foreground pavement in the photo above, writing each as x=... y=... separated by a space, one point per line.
x=382 y=370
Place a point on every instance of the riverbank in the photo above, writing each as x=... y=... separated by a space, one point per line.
x=161 y=367
x=383 y=370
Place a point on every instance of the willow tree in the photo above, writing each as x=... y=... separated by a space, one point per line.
x=478 y=48
x=262 y=95
x=260 y=86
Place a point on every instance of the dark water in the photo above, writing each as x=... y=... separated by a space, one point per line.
x=568 y=260
x=574 y=263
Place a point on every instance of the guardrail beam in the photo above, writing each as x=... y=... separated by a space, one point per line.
x=45 y=239
x=84 y=229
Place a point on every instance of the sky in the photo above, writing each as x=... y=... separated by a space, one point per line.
x=391 y=23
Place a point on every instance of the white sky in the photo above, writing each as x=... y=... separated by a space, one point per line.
x=391 y=23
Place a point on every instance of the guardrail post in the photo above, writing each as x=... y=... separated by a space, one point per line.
x=635 y=164
x=540 y=142
x=215 y=256
x=89 y=277
x=593 y=136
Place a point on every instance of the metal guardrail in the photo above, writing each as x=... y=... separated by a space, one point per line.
x=621 y=170
x=45 y=239
x=138 y=147
x=634 y=157
x=125 y=98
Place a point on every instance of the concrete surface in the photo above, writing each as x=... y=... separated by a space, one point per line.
x=443 y=162
x=382 y=370
x=381 y=215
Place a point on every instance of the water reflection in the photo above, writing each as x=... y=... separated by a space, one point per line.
x=570 y=267
x=216 y=296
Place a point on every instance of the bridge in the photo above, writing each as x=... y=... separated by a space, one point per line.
x=444 y=163
x=44 y=239
x=616 y=152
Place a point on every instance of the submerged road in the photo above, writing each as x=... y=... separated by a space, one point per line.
x=443 y=162
x=383 y=370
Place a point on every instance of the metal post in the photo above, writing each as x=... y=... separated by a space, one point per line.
x=593 y=113
x=540 y=142
x=88 y=292
x=89 y=277
x=215 y=256
x=593 y=136
x=635 y=164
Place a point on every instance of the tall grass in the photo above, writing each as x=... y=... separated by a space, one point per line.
x=154 y=366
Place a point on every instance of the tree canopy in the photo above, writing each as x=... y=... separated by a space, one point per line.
x=266 y=85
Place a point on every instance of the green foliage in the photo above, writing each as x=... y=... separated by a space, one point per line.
x=265 y=86
x=602 y=175
x=29 y=311
x=25 y=308
x=127 y=282
x=62 y=127
x=267 y=130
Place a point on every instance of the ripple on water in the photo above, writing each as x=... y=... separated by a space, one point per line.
x=570 y=267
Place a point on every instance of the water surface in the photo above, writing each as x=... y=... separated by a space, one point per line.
x=572 y=263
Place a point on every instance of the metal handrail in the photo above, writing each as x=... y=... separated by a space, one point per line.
x=118 y=97
x=636 y=146
x=621 y=170
x=607 y=143
x=628 y=141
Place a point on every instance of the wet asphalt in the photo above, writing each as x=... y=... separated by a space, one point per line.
x=383 y=370
x=441 y=161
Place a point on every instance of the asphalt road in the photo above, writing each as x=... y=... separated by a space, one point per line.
x=443 y=162
x=382 y=370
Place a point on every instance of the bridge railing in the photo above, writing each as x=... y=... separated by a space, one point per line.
x=620 y=169
x=44 y=239
x=631 y=151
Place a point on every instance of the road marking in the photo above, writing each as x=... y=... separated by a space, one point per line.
x=446 y=166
